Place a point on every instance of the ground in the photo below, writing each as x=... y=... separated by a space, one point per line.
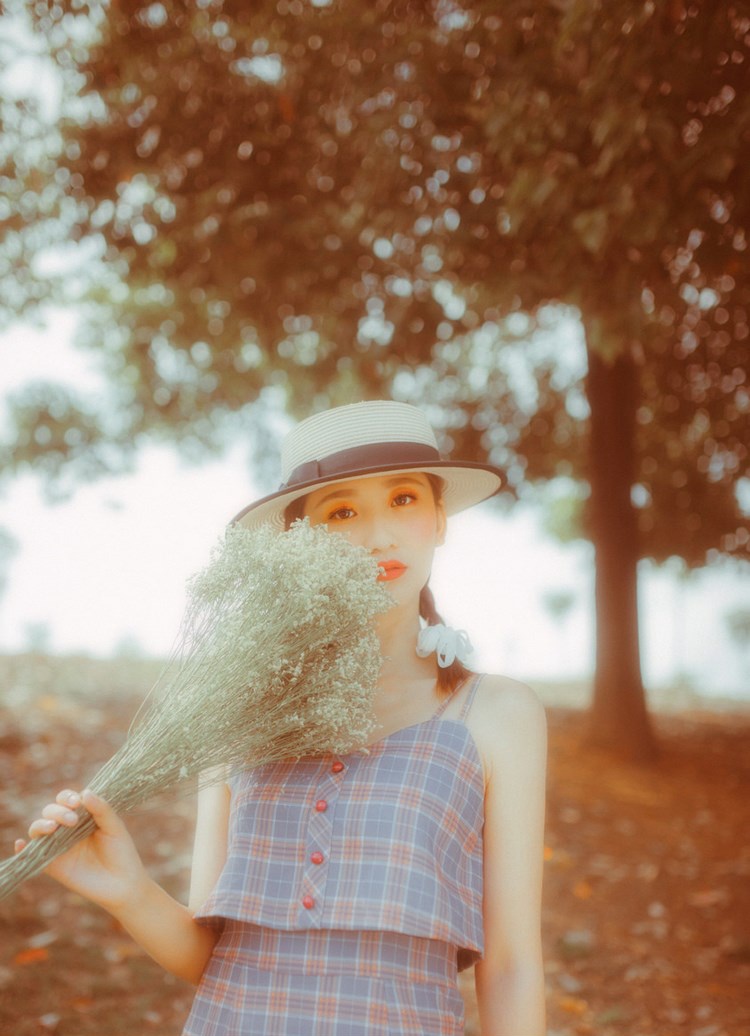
x=647 y=898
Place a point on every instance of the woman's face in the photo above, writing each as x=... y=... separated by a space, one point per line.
x=395 y=517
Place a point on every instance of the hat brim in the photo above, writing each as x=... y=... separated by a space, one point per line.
x=464 y=485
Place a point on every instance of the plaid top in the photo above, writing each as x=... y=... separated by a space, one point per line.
x=387 y=839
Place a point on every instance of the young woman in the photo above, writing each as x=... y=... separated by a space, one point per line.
x=339 y=896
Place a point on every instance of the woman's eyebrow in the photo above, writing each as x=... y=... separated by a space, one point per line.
x=402 y=480
x=341 y=493
x=337 y=494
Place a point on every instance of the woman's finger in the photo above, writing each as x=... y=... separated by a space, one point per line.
x=104 y=816
x=68 y=797
x=40 y=827
x=19 y=844
x=61 y=814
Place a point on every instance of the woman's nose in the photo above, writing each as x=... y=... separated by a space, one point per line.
x=377 y=535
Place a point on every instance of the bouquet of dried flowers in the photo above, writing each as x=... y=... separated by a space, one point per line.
x=277 y=658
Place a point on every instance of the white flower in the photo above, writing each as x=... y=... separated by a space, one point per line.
x=277 y=658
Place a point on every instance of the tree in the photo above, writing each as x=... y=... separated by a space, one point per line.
x=338 y=201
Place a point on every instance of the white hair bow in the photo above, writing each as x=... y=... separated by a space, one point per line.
x=448 y=643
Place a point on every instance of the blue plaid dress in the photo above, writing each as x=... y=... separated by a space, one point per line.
x=352 y=891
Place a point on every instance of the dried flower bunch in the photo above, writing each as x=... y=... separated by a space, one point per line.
x=277 y=658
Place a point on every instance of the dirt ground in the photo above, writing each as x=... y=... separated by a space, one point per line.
x=647 y=897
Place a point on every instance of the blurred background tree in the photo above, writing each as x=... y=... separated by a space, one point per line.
x=302 y=203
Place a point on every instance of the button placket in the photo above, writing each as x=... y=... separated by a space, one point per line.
x=322 y=804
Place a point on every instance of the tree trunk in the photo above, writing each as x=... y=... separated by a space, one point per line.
x=618 y=717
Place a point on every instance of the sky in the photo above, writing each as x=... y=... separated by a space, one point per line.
x=105 y=570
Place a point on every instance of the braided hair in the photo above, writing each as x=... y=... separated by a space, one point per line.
x=450 y=677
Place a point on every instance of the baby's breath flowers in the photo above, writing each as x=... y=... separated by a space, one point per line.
x=277 y=658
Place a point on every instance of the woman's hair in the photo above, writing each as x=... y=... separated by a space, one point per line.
x=450 y=677
x=294 y=511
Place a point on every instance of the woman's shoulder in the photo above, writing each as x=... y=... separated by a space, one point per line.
x=506 y=717
x=500 y=697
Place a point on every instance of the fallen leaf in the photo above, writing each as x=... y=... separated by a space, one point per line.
x=573 y=1005
x=31 y=956
x=82 y=1003
x=613 y=1014
x=576 y=943
x=43 y=939
x=121 y=951
x=707 y=897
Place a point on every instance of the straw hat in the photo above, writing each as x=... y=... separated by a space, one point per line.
x=361 y=440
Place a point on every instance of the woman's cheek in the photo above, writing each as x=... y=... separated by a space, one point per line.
x=425 y=527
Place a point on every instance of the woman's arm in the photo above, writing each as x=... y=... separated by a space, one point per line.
x=166 y=929
x=210 y=845
x=106 y=869
x=509 y=726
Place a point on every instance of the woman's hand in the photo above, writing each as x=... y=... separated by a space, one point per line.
x=104 y=867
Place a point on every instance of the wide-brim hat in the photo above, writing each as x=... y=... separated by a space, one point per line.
x=362 y=440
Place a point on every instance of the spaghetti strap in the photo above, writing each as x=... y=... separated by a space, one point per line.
x=470 y=696
x=474 y=679
x=447 y=700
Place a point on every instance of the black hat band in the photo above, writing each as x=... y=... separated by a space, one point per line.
x=360 y=458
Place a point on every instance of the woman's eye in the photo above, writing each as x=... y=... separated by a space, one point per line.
x=340 y=514
x=403 y=498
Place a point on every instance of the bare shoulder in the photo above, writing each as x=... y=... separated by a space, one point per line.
x=502 y=700
x=508 y=722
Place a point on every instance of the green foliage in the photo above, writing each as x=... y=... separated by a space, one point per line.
x=341 y=200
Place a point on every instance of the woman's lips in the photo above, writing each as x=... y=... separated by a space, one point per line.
x=390 y=570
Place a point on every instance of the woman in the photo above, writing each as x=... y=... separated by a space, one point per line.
x=339 y=896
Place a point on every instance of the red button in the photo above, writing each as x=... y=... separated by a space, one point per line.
x=321 y=806
x=337 y=767
x=316 y=857
x=308 y=902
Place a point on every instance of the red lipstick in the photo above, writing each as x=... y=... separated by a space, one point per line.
x=390 y=570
